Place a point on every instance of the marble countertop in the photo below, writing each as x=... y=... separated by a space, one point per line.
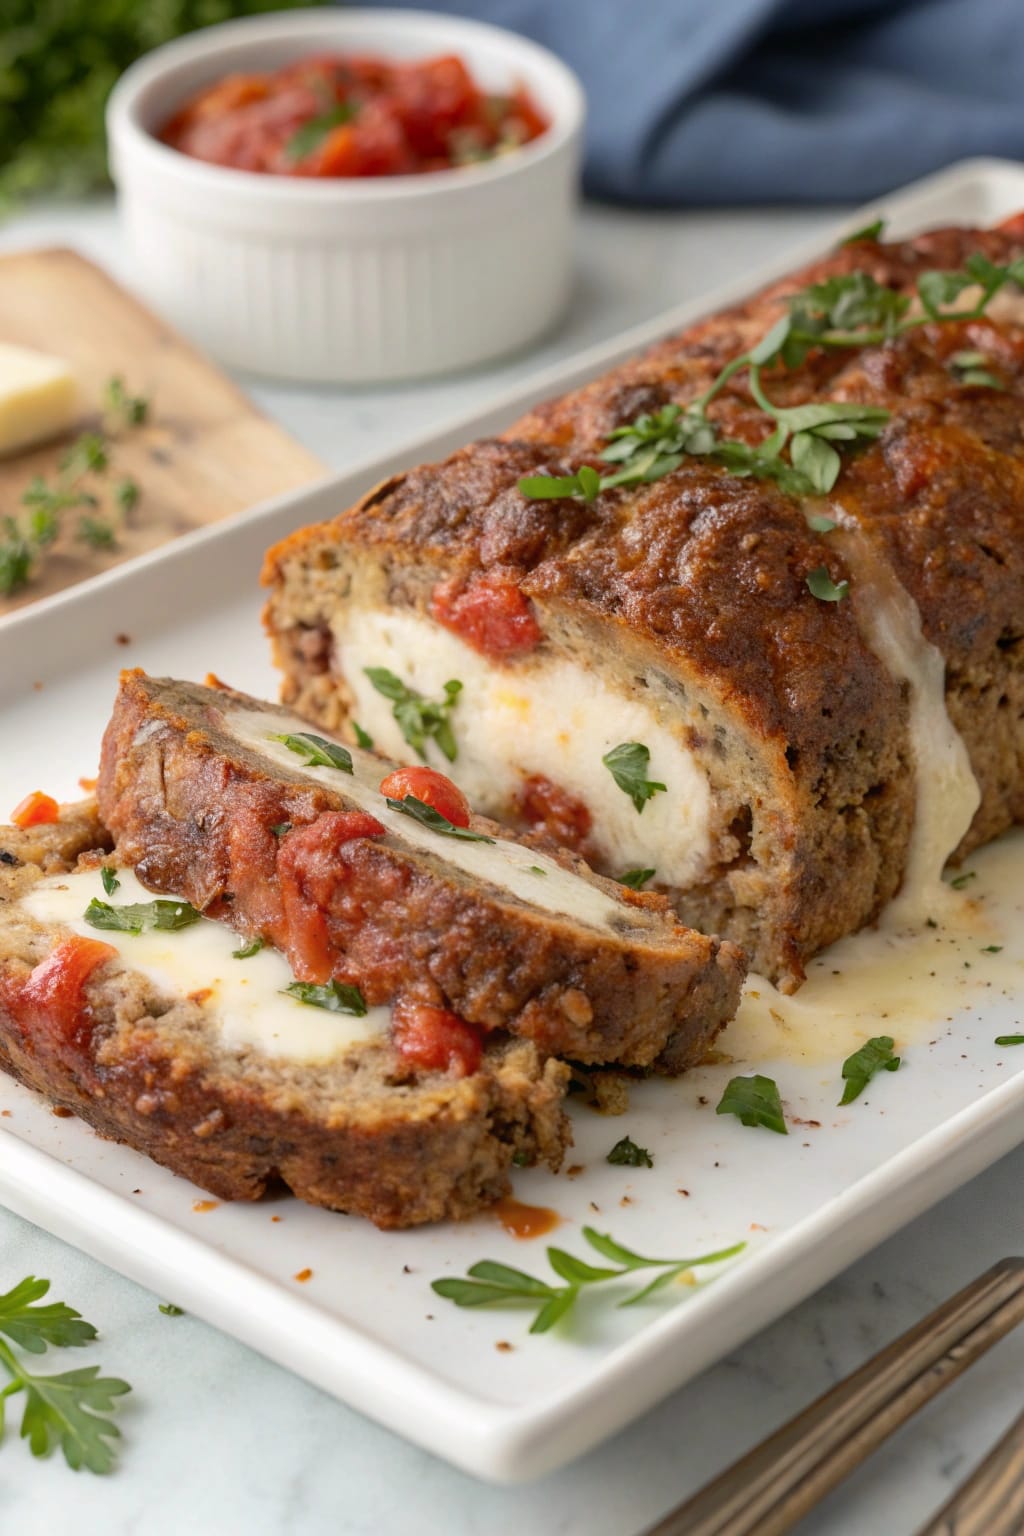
x=219 y=1440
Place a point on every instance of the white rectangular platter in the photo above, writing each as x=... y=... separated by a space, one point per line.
x=366 y=1325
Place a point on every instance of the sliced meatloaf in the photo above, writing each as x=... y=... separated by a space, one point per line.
x=809 y=753
x=201 y=1084
x=207 y=798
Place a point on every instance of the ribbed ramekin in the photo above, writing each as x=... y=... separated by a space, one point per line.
x=360 y=280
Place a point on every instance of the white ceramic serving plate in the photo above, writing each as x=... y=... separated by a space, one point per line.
x=366 y=1326
x=350 y=280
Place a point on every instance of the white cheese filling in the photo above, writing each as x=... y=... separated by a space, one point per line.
x=526 y=874
x=947 y=793
x=245 y=996
x=555 y=718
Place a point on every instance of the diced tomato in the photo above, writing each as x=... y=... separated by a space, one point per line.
x=546 y=807
x=436 y=1040
x=491 y=615
x=51 y=997
x=36 y=810
x=433 y=788
x=309 y=874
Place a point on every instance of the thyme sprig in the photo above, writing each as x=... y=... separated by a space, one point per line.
x=494 y=1284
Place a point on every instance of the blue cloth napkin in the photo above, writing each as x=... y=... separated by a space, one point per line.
x=740 y=101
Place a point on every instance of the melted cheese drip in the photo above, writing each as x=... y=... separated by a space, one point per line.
x=947 y=793
x=906 y=984
x=555 y=718
x=530 y=876
x=245 y=996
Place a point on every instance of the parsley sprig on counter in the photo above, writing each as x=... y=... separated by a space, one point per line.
x=491 y=1284
x=419 y=719
x=81 y=484
x=849 y=310
x=67 y=1409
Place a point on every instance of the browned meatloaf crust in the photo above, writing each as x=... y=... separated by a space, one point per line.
x=696 y=585
x=361 y=1133
x=194 y=812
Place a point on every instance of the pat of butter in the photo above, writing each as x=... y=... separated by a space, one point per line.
x=38 y=397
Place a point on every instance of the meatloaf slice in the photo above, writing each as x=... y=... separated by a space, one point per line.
x=354 y=1129
x=206 y=800
x=781 y=655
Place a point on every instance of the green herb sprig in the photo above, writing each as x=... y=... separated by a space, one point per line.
x=317 y=751
x=161 y=915
x=849 y=310
x=419 y=719
x=636 y=879
x=305 y=140
x=627 y=764
x=627 y=1154
x=335 y=997
x=875 y=1055
x=491 y=1284
x=426 y=815
x=67 y=1409
x=79 y=485
x=754 y=1101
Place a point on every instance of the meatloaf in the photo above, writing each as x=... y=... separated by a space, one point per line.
x=207 y=798
x=827 y=685
x=187 y=1077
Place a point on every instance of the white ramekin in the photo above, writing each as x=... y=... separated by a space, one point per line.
x=350 y=281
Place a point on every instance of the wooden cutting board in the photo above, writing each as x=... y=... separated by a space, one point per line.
x=205 y=452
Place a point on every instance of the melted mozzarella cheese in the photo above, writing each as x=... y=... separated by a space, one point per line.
x=245 y=996
x=530 y=876
x=947 y=793
x=555 y=718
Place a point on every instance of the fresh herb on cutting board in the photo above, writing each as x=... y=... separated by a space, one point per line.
x=83 y=484
x=68 y=1409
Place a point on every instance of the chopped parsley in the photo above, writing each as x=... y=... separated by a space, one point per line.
x=428 y=817
x=876 y=1055
x=821 y=586
x=1009 y=1040
x=160 y=915
x=305 y=140
x=754 y=1101
x=335 y=997
x=627 y=764
x=110 y=881
x=169 y=1309
x=872 y=231
x=317 y=751
x=959 y=881
x=247 y=951
x=363 y=738
x=627 y=1153
x=281 y=828
x=419 y=719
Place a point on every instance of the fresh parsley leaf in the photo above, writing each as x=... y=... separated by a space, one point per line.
x=992 y=949
x=820 y=524
x=873 y=231
x=630 y=1155
x=248 y=950
x=335 y=997
x=959 y=881
x=66 y=1409
x=636 y=879
x=627 y=764
x=754 y=1101
x=33 y=1327
x=363 y=738
x=821 y=586
x=317 y=751
x=493 y=1284
x=535 y=869
x=305 y=140
x=419 y=719
x=876 y=1055
x=161 y=915
x=169 y=1309
x=1009 y=1040
x=110 y=881
x=428 y=817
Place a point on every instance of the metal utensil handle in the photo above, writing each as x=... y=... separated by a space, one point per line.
x=991 y=1501
x=777 y=1482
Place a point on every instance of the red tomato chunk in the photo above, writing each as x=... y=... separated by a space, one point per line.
x=35 y=810
x=52 y=996
x=436 y=1040
x=492 y=616
x=432 y=788
x=336 y=115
